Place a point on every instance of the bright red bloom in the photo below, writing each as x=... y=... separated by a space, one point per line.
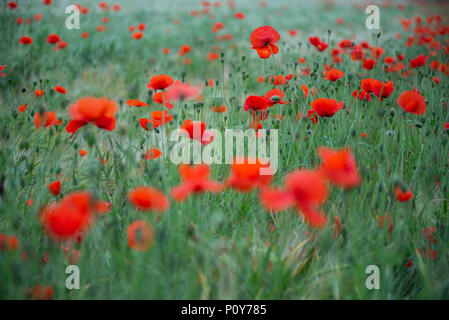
x=184 y=49
x=23 y=107
x=334 y=74
x=45 y=119
x=137 y=35
x=136 y=103
x=263 y=40
x=160 y=82
x=66 y=219
x=305 y=190
x=418 y=61
x=12 y=5
x=1 y=68
x=380 y=89
x=249 y=173
x=53 y=38
x=326 y=107
x=368 y=64
x=99 y=111
x=60 y=89
x=318 y=44
x=274 y=96
x=153 y=153
x=55 y=187
x=83 y=153
x=195 y=179
x=40 y=292
x=39 y=93
x=382 y=219
x=412 y=101
x=148 y=199
x=197 y=130
x=256 y=103
x=361 y=95
x=161 y=98
x=340 y=167
x=140 y=235
x=401 y=195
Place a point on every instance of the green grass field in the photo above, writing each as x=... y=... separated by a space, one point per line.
x=223 y=245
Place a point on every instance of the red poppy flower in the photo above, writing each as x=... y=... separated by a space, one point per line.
x=55 y=187
x=53 y=38
x=248 y=173
x=334 y=74
x=218 y=109
x=340 y=167
x=99 y=111
x=239 y=15
x=45 y=119
x=83 y=153
x=382 y=219
x=361 y=95
x=40 y=292
x=380 y=89
x=148 y=199
x=160 y=82
x=153 y=153
x=184 y=49
x=197 y=130
x=23 y=107
x=161 y=98
x=256 y=103
x=1 y=68
x=318 y=44
x=137 y=35
x=195 y=179
x=326 y=107
x=274 y=96
x=66 y=219
x=60 y=89
x=8 y=243
x=368 y=64
x=136 y=103
x=403 y=195
x=263 y=40
x=305 y=190
x=412 y=101
x=418 y=61
x=182 y=91
x=39 y=93
x=140 y=235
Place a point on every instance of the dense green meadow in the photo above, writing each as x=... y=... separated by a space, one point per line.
x=223 y=245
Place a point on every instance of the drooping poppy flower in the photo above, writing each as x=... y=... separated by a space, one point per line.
x=148 y=199
x=66 y=219
x=99 y=111
x=305 y=190
x=160 y=82
x=45 y=119
x=60 y=89
x=140 y=235
x=412 y=101
x=334 y=74
x=182 y=91
x=153 y=153
x=263 y=40
x=161 y=98
x=380 y=89
x=55 y=187
x=53 y=38
x=403 y=195
x=195 y=179
x=136 y=103
x=8 y=243
x=418 y=61
x=326 y=107
x=339 y=167
x=248 y=174
x=256 y=103
x=197 y=130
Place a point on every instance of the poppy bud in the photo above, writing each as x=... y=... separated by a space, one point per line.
x=418 y=124
x=392 y=113
x=90 y=138
x=380 y=187
x=24 y=90
x=378 y=35
x=37 y=149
